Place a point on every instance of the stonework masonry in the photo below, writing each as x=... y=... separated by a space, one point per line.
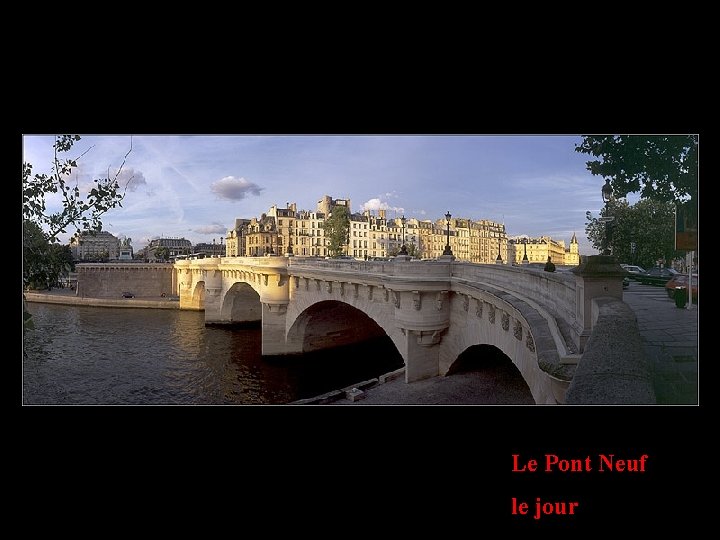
x=107 y=280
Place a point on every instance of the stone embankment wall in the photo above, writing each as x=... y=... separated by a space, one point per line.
x=150 y=280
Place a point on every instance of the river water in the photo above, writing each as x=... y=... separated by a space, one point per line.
x=80 y=355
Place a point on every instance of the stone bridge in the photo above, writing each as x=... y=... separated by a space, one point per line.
x=431 y=310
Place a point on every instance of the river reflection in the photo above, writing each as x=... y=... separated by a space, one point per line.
x=85 y=355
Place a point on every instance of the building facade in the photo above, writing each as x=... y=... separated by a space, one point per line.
x=235 y=240
x=174 y=245
x=94 y=247
x=210 y=249
x=301 y=232
x=538 y=250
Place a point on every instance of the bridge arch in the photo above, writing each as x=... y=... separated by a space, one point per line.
x=496 y=371
x=499 y=324
x=197 y=299
x=330 y=323
x=241 y=303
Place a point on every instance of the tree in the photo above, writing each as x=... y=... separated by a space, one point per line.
x=648 y=226
x=162 y=253
x=40 y=229
x=79 y=210
x=337 y=229
x=662 y=168
x=43 y=263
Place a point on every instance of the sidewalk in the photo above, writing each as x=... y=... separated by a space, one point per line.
x=671 y=342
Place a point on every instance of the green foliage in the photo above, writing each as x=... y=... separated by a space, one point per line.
x=80 y=210
x=337 y=228
x=661 y=168
x=649 y=224
x=162 y=253
x=44 y=263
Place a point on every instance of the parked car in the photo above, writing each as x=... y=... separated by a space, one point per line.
x=128 y=295
x=657 y=276
x=634 y=271
x=681 y=280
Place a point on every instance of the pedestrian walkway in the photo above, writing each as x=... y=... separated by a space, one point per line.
x=671 y=342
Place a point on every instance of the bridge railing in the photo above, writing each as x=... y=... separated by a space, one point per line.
x=396 y=268
x=552 y=290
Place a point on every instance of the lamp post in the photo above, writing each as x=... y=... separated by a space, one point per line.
x=607 y=195
x=447 y=250
x=403 y=248
x=525 y=258
x=498 y=260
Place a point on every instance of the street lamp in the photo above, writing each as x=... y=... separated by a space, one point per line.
x=607 y=196
x=403 y=249
x=525 y=258
x=447 y=250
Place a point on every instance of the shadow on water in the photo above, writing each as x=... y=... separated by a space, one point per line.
x=283 y=379
x=318 y=372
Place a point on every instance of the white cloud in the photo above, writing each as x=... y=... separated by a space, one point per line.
x=211 y=229
x=377 y=204
x=235 y=189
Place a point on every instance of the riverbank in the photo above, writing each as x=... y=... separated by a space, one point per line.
x=67 y=297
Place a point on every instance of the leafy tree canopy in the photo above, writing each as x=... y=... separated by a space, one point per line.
x=44 y=263
x=640 y=234
x=337 y=228
x=660 y=167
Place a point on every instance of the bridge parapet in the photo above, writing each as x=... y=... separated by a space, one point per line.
x=555 y=291
x=614 y=369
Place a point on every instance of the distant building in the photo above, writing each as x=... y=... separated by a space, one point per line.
x=572 y=254
x=235 y=239
x=285 y=230
x=286 y=224
x=210 y=249
x=539 y=249
x=308 y=234
x=327 y=203
x=262 y=237
x=175 y=246
x=94 y=247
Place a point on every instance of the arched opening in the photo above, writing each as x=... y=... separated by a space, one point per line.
x=198 y=295
x=340 y=346
x=331 y=324
x=241 y=304
x=491 y=376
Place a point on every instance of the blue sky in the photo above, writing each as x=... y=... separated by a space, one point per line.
x=196 y=185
